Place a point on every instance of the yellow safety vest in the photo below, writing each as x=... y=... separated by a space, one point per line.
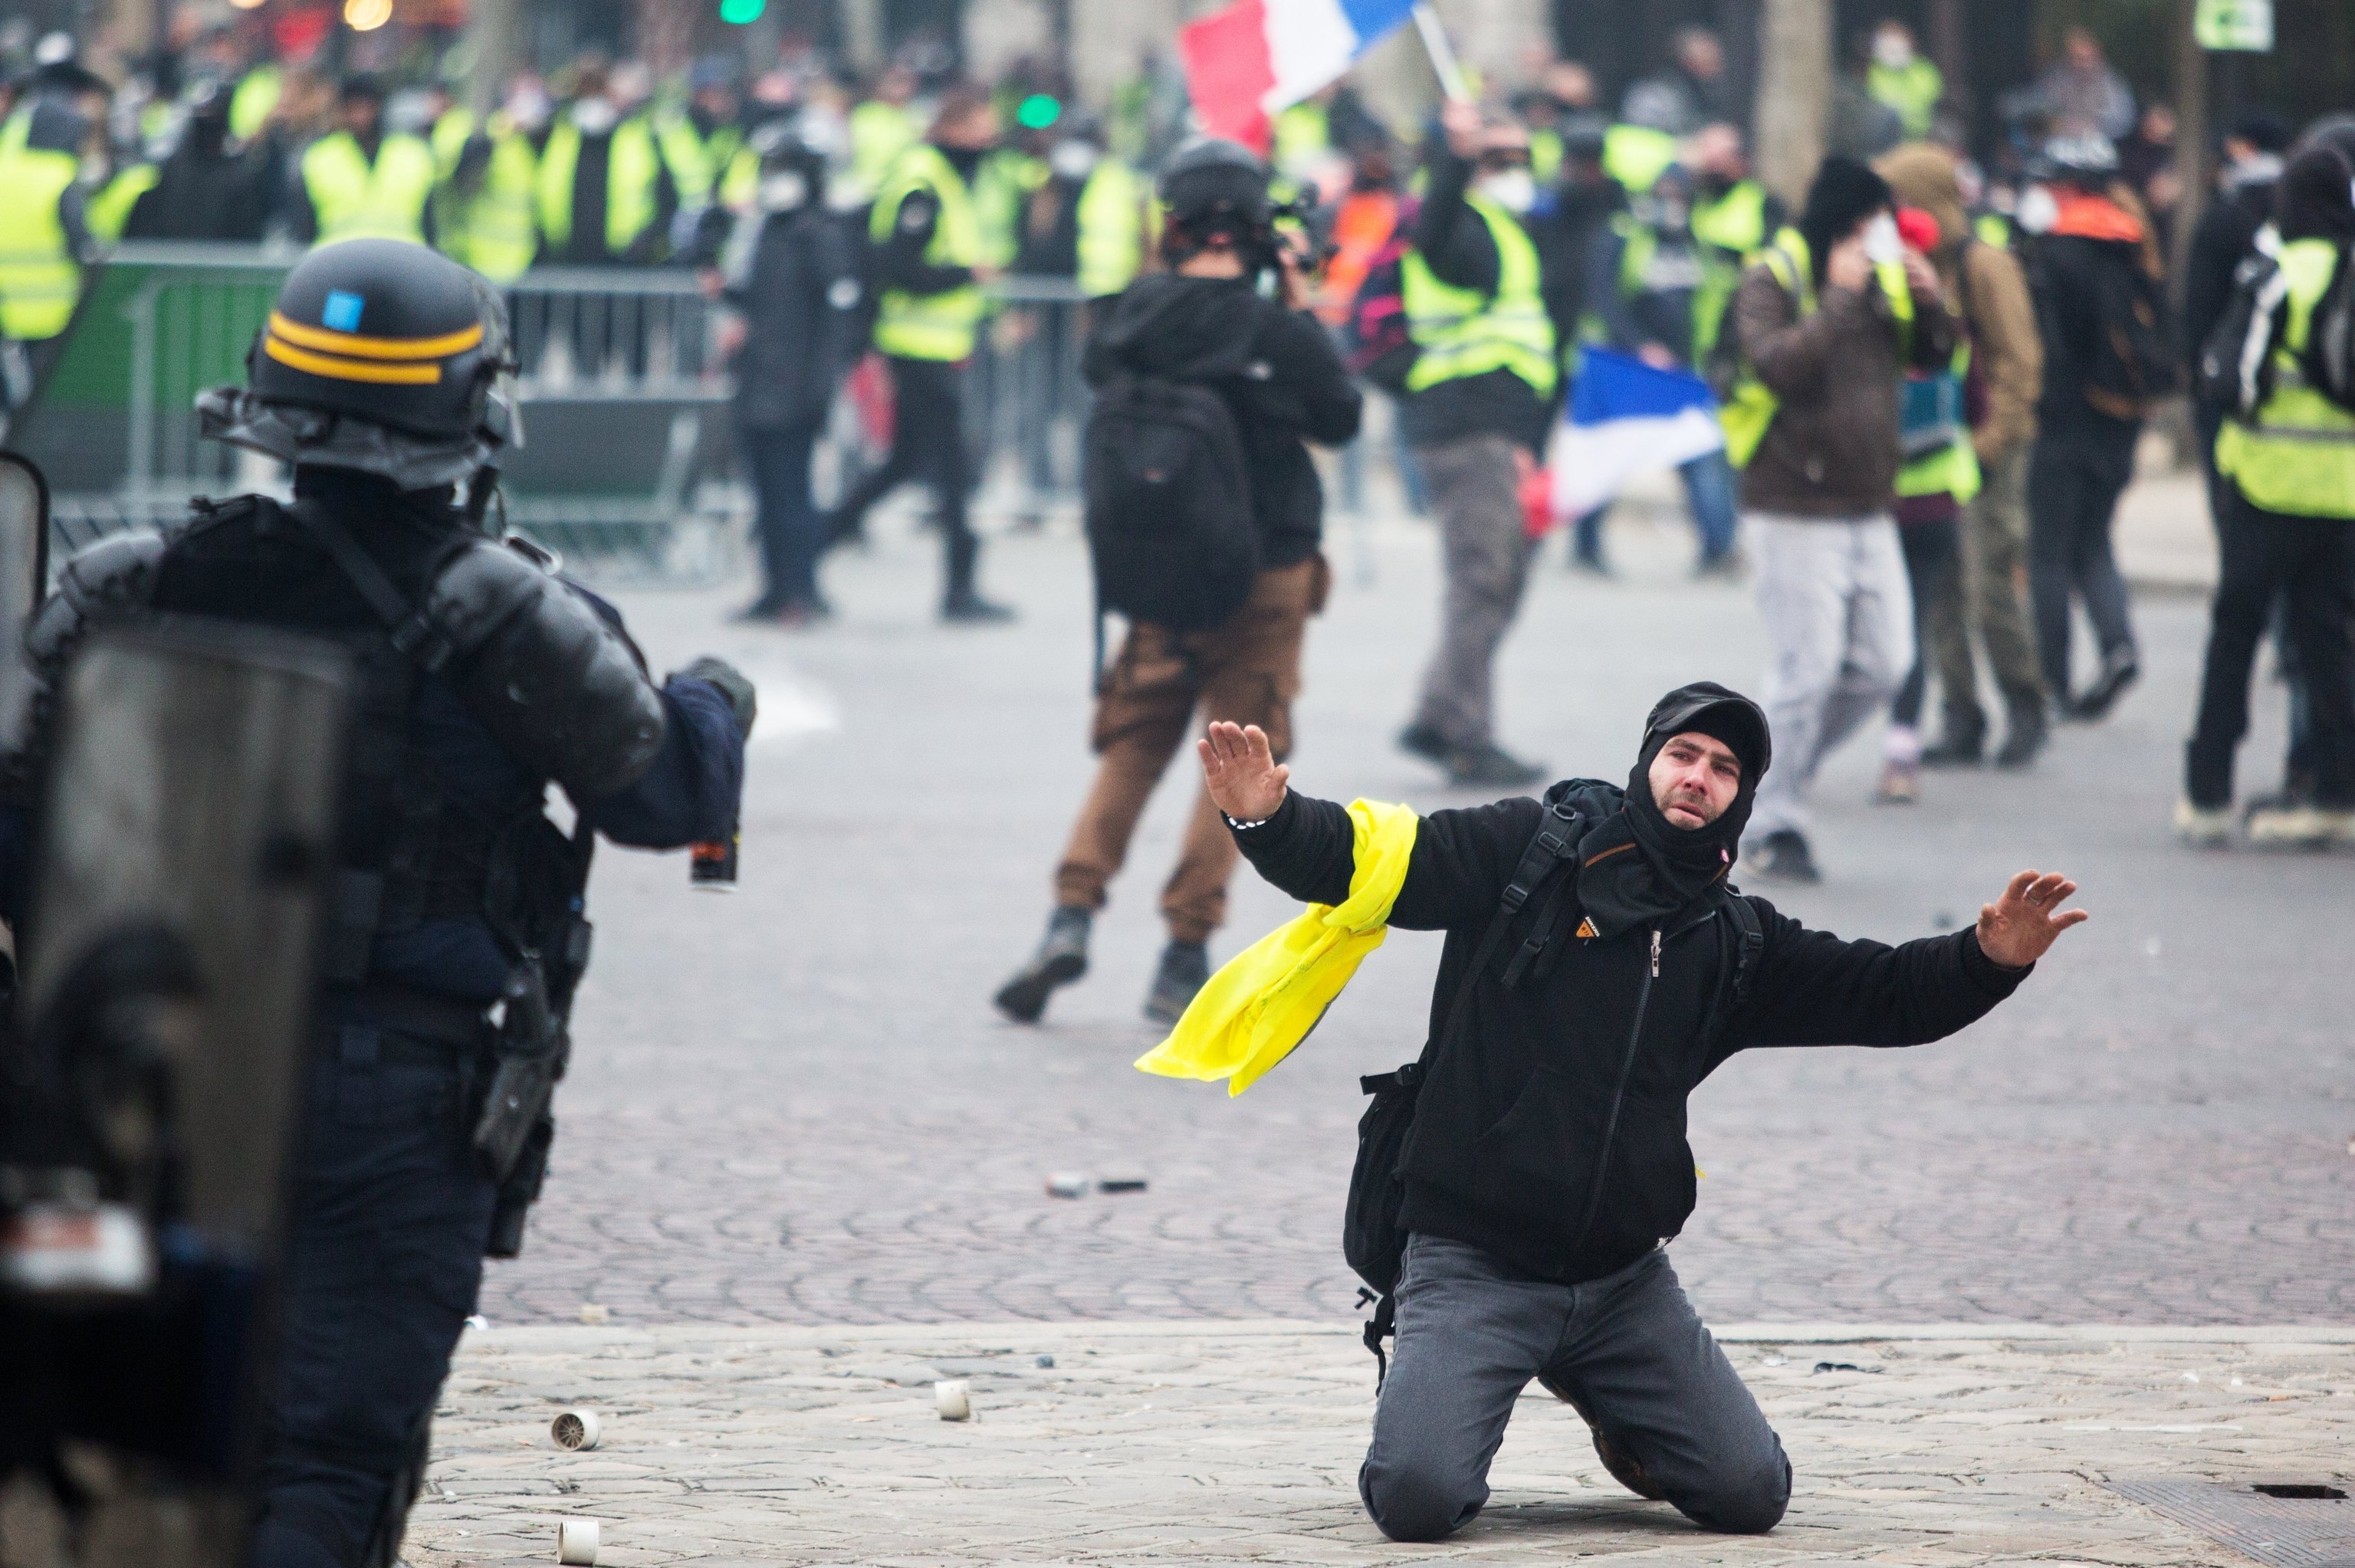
x=1545 y=155
x=2296 y=456
x=698 y=162
x=1637 y=155
x=1735 y=221
x=1751 y=409
x=39 y=281
x=741 y=181
x=632 y=172
x=1112 y=229
x=879 y=132
x=1912 y=90
x=1953 y=468
x=1461 y=332
x=110 y=209
x=930 y=327
x=354 y=199
x=1303 y=134
x=1000 y=188
x=256 y=96
x=493 y=229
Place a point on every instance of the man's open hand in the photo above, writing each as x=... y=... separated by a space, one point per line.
x=2017 y=928
x=1241 y=773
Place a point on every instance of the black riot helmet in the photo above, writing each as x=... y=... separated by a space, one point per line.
x=1214 y=189
x=379 y=355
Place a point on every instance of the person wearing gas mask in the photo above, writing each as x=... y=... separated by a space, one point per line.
x=1598 y=966
x=1825 y=321
x=1475 y=413
x=1648 y=288
x=481 y=676
x=793 y=279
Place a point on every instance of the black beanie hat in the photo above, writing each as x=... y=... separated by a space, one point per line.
x=2314 y=200
x=1719 y=713
x=1845 y=192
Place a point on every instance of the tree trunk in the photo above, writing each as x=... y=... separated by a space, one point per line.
x=1794 y=94
x=495 y=38
x=2191 y=138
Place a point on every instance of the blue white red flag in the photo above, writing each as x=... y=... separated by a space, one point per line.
x=1245 y=63
x=1626 y=418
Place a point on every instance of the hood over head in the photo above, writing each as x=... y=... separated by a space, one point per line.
x=1923 y=175
x=2314 y=200
x=1176 y=327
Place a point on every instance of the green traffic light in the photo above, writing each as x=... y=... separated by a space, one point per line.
x=740 y=12
x=1037 y=111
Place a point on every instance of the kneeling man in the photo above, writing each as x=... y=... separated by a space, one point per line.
x=1547 y=1168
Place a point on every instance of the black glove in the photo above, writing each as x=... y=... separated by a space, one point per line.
x=741 y=700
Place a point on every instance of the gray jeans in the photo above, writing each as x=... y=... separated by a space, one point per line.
x=1628 y=1347
x=1475 y=490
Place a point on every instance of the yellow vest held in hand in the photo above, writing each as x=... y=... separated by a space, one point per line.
x=1263 y=1001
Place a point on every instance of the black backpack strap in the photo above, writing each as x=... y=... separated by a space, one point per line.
x=1750 y=943
x=413 y=631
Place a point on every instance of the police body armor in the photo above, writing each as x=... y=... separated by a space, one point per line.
x=466 y=629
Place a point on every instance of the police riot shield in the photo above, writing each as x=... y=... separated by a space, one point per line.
x=24 y=577
x=184 y=845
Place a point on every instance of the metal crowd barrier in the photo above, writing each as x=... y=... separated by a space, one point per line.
x=621 y=394
x=1028 y=402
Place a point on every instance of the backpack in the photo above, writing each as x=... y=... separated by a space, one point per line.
x=1168 y=505
x=1372 y=1238
x=2235 y=371
x=2329 y=359
x=2135 y=364
x=1380 y=352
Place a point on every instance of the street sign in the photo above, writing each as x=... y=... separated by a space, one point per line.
x=2244 y=26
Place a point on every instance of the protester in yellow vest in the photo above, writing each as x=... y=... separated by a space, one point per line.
x=358 y=181
x=929 y=262
x=606 y=196
x=1474 y=413
x=1900 y=80
x=484 y=206
x=44 y=232
x=2291 y=466
x=700 y=141
x=881 y=127
x=256 y=96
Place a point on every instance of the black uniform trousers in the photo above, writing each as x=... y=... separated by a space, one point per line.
x=385 y=1259
x=791 y=534
x=2309 y=563
x=928 y=443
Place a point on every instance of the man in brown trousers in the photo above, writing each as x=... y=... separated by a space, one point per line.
x=1987 y=598
x=1204 y=322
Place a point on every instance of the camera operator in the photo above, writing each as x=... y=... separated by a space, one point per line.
x=1205 y=322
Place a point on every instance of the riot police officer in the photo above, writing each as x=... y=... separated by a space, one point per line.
x=382 y=376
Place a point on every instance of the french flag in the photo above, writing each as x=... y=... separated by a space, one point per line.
x=1257 y=56
x=1625 y=418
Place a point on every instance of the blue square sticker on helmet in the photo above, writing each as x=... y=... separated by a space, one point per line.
x=342 y=312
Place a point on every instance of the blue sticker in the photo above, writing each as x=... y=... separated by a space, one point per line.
x=343 y=312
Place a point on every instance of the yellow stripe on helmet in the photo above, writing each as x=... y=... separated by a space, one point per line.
x=352 y=343
x=339 y=370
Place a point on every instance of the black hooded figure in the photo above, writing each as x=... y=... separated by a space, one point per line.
x=1599 y=965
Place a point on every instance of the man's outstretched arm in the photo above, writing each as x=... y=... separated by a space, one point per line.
x=1814 y=989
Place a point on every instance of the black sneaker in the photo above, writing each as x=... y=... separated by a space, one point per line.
x=2120 y=669
x=971 y=610
x=1784 y=857
x=1184 y=967
x=1491 y=765
x=1420 y=740
x=1622 y=1465
x=2024 y=738
x=1956 y=748
x=1061 y=958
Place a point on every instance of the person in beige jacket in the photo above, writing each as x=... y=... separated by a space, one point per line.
x=1987 y=598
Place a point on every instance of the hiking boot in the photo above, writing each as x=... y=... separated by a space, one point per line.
x=1958 y=748
x=2301 y=826
x=971 y=610
x=2120 y=667
x=1623 y=1466
x=2022 y=739
x=1061 y=958
x=1420 y=740
x=2203 y=826
x=1784 y=857
x=1184 y=967
x=1900 y=783
x=1491 y=765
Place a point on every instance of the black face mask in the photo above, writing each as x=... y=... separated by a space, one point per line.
x=965 y=161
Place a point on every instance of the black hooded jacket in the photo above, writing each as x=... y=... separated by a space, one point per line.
x=1276 y=369
x=1551 y=1129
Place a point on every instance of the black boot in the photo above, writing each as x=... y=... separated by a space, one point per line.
x=2024 y=736
x=1960 y=747
x=1184 y=967
x=2120 y=666
x=1061 y=958
x=1621 y=1463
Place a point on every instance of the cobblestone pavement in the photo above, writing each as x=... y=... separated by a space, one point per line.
x=1195 y=1442
x=796 y=1106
